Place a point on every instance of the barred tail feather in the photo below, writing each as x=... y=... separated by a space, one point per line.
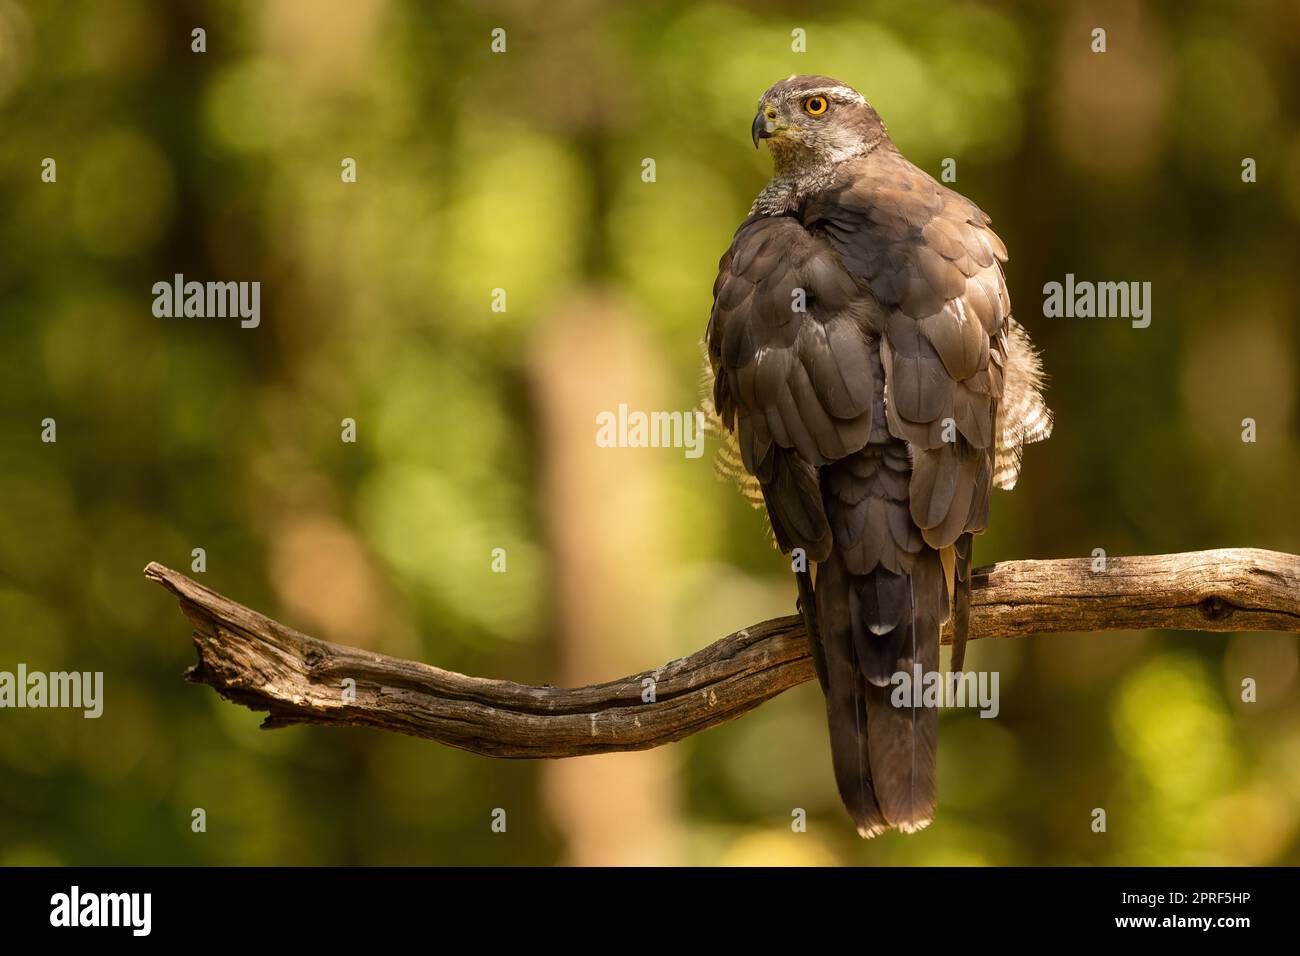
x=846 y=709
x=885 y=756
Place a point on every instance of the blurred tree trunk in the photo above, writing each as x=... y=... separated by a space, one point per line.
x=606 y=511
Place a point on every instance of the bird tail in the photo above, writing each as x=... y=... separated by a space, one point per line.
x=883 y=739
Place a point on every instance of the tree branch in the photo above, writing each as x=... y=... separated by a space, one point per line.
x=255 y=661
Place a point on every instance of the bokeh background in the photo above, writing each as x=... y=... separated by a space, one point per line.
x=476 y=428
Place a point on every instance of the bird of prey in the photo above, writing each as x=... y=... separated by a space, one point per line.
x=874 y=388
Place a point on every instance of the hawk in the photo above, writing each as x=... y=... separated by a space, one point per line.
x=874 y=389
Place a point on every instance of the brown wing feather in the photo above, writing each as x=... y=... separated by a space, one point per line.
x=931 y=260
x=793 y=374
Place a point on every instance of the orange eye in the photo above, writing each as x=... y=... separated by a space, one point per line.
x=815 y=105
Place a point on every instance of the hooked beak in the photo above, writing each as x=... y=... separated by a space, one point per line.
x=764 y=126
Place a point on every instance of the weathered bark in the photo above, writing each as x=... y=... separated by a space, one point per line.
x=255 y=661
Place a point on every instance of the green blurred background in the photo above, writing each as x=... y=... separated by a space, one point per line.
x=475 y=428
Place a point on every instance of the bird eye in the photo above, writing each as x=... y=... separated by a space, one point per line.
x=815 y=105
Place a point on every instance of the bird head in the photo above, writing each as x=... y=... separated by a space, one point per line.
x=815 y=120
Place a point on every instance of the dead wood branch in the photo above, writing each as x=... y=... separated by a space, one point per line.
x=255 y=661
